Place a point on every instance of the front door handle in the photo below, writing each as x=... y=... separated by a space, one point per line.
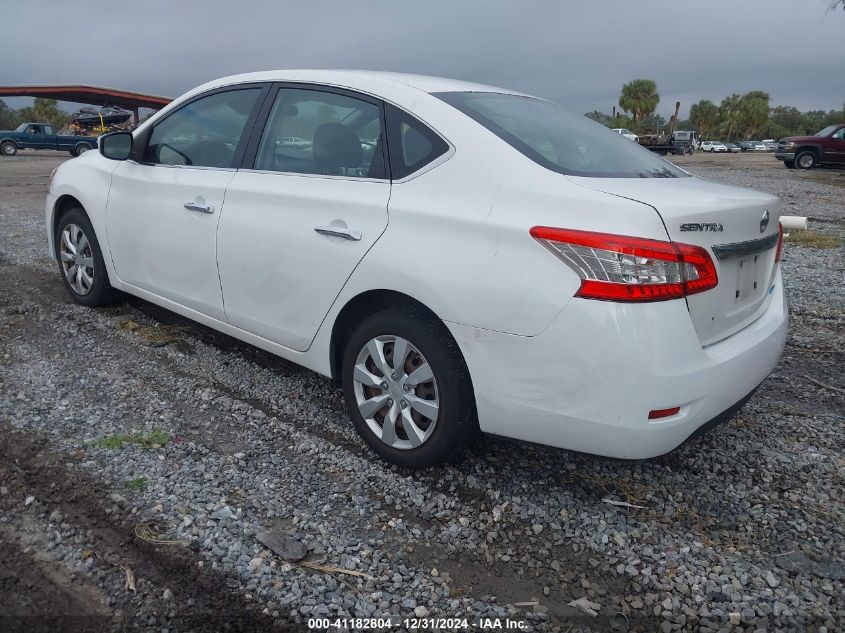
x=195 y=205
x=339 y=231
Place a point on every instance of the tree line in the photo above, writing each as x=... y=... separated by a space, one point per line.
x=41 y=111
x=736 y=117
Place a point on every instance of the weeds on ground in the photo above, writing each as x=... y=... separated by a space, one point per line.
x=138 y=483
x=812 y=239
x=154 y=439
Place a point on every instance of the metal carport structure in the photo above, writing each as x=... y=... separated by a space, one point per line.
x=92 y=95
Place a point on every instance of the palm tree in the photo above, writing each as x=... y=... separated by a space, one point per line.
x=639 y=97
x=704 y=115
x=731 y=115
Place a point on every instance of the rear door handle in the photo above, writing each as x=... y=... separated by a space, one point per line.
x=195 y=205
x=339 y=231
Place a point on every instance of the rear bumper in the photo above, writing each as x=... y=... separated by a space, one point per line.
x=588 y=382
x=785 y=155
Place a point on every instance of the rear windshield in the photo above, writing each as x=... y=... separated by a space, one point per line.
x=558 y=140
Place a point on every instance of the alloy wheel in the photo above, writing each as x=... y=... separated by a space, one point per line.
x=396 y=392
x=77 y=259
x=806 y=161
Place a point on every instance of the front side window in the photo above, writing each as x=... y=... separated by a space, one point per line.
x=205 y=132
x=322 y=133
x=558 y=140
x=840 y=134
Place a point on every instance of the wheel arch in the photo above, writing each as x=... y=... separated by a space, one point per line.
x=359 y=308
x=63 y=204
x=816 y=149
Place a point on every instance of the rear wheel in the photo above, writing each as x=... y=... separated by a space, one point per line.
x=407 y=388
x=81 y=261
x=8 y=148
x=80 y=149
x=805 y=160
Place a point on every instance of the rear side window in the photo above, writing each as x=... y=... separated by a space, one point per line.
x=558 y=140
x=413 y=145
x=203 y=133
x=323 y=133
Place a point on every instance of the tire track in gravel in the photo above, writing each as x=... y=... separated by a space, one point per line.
x=201 y=599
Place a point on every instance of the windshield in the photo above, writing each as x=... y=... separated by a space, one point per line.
x=558 y=140
x=830 y=129
x=21 y=127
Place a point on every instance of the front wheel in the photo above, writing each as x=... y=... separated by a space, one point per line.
x=8 y=148
x=805 y=160
x=789 y=164
x=407 y=388
x=81 y=261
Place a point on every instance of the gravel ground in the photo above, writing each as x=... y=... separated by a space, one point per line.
x=144 y=460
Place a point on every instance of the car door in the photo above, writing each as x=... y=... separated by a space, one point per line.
x=835 y=147
x=35 y=137
x=310 y=202
x=165 y=202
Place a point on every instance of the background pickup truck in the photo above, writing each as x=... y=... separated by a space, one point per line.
x=805 y=152
x=43 y=136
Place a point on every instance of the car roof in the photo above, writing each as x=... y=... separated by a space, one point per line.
x=368 y=80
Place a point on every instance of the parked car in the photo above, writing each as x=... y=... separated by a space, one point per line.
x=733 y=148
x=713 y=146
x=805 y=152
x=489 y=301
x=626 y=133
x=43 y=136
x=752 y=146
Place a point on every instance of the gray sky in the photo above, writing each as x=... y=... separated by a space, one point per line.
x=577 y=53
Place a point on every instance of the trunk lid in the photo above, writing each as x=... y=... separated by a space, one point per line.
x=739 y=229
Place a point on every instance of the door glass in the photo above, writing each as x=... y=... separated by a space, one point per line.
x=315 y=132
x=204 y=133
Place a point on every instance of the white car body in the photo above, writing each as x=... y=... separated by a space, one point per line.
x=546 y=365
x=626 y=133
x=713 y=146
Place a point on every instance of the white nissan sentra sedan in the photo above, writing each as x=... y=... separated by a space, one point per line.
x=461 y=258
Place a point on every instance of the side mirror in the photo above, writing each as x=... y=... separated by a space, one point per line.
x=116 y=145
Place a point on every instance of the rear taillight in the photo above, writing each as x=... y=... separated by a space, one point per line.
x=622 y=268
x=779 y=248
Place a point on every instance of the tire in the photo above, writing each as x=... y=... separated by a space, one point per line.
x=429 y=344
x=806 y=159
x=789 y=164
x=97 y=291
x=8 y=148
x=80 y=149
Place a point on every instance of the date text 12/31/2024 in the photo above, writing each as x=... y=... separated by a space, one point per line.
x=378 y=624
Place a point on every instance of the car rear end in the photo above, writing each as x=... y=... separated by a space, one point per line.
x=664 y=332
x=663 y=340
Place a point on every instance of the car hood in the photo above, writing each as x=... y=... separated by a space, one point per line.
x=800 y=139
